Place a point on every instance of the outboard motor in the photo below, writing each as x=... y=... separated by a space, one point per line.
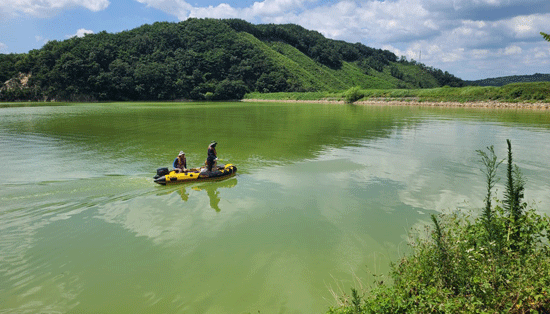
x=161 y=172
x=161 y=180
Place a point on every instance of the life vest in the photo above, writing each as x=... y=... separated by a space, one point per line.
x=182 y=162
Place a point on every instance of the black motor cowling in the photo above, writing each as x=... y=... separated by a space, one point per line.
x=162 y=172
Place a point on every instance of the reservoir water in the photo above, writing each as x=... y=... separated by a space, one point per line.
x=324 y=197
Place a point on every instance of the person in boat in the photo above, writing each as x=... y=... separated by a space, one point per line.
x=180 y=163
x=212 y=156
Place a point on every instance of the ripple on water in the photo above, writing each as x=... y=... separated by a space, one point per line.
x=321 y=190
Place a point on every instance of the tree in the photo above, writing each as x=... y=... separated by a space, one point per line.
x=271 y=82
x=546 y=36
x=227 y=90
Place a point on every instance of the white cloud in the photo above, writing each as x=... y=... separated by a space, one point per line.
x=468 y=34
x=541 y=53
x=512 y=50
x=260 y=9
x=275 y=7
x=478 y=49
x=3 y=47
x=80 y=33
x=369 y=21
x=453 y=55
x=40 y=39
x=45 y=8
x=460 y=4
x=484 y=9
x=479 y=53
x=221 y=11
x=526 y=26
x=177 y=8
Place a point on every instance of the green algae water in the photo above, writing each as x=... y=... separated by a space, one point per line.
x=323 y=198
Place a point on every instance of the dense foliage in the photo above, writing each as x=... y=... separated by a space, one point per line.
x=203 y=59
x=504 y=80
x=498 y=262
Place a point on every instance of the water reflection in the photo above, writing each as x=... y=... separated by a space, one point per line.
x=211 y=189
x=322 y=190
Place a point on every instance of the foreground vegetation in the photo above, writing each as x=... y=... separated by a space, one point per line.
x=518 y=92
x=496 y=262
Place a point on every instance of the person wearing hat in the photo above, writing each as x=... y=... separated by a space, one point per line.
x=180 y=163
x=212 y=156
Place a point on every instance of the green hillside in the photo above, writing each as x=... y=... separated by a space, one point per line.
x=504 y=80
x=205 y=59
x=349 y=74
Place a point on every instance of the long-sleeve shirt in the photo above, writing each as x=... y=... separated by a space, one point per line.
x=211 y=154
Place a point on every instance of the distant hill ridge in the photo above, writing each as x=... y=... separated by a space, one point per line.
x=504 y=80
x=205 y=59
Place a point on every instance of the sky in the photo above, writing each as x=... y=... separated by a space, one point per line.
x=471 y=39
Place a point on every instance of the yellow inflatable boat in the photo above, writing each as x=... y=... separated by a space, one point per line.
x=165 y=176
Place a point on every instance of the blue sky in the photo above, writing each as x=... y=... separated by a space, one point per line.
x=471 y=39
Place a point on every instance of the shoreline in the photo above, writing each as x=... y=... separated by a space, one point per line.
x=372 y=102
x=415 y=103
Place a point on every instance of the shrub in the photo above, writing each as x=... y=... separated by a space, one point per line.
x=496 y=262
x=353 y=94
x=209 y=96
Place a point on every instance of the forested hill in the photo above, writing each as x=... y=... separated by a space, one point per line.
x=504 y=80
x=204 y=59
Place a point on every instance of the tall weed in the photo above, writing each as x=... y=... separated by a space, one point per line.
x=494 y=262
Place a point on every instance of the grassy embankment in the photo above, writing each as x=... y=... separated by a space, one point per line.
x=497 y=262
x=513 y=93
